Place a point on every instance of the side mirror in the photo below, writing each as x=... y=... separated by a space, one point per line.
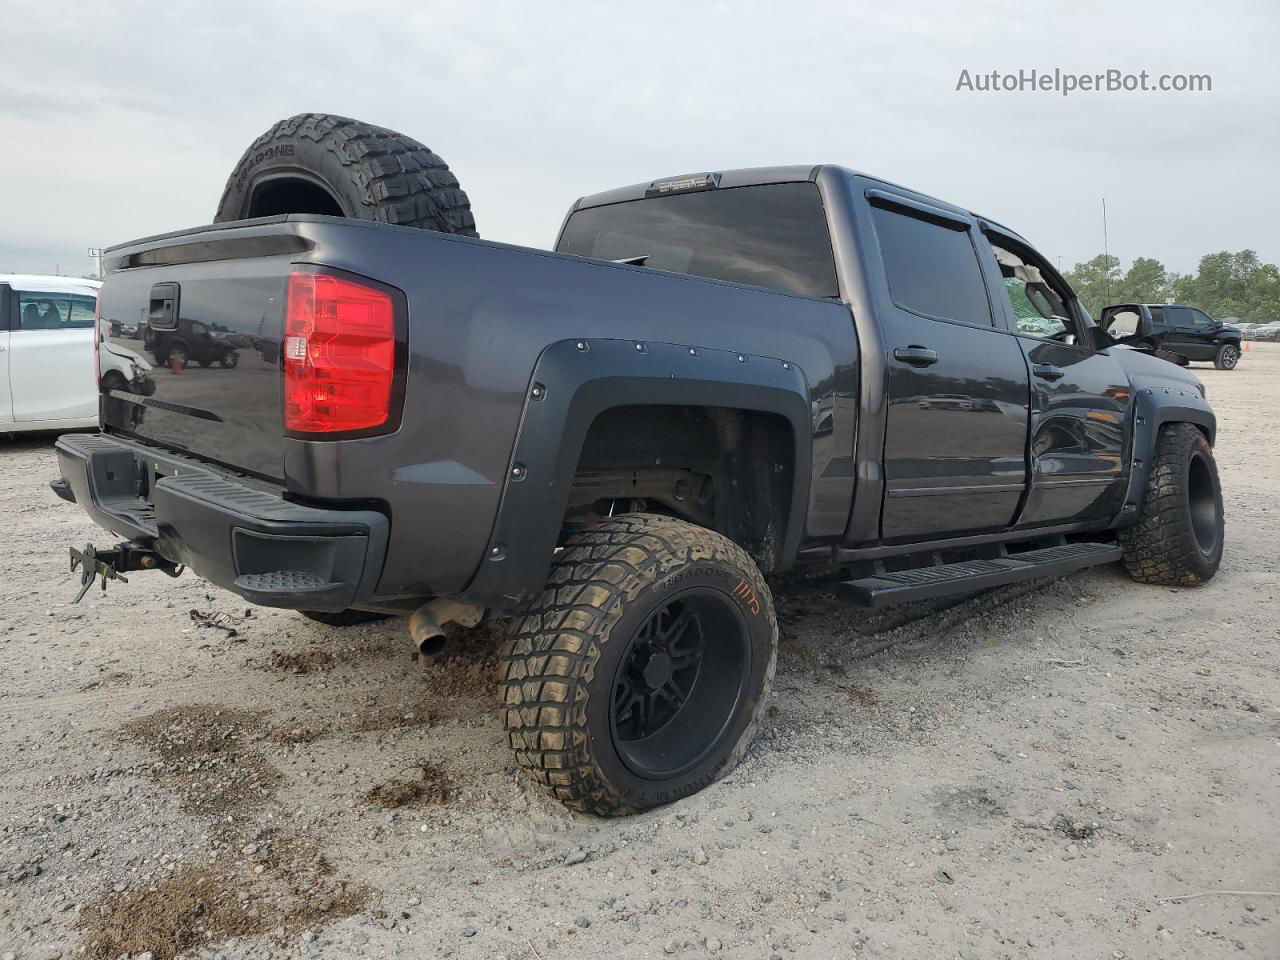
x=1125 y=324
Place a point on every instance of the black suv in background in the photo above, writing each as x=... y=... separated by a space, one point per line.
x=172 y=338
x=1175 y=332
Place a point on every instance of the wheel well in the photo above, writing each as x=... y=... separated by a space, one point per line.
x=726 y=469
x=291 y=195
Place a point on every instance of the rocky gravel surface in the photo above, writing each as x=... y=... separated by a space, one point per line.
x=1082 y=769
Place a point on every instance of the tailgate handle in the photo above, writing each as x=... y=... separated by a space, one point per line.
x=162 y=309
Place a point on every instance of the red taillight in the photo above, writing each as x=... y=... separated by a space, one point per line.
x=339 y=355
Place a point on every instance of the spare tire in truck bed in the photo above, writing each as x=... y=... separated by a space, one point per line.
x=318 y=163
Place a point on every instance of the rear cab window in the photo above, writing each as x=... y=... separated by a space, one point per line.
x=770 y=235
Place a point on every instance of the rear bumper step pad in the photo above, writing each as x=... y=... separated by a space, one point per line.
x=926 y=583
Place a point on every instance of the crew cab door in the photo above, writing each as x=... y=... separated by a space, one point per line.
x=1080 y=398
x=50 y=353
x=956 y=430
x=1191 y=332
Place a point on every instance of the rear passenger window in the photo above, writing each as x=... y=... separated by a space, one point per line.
x=54 y=311
x=932 y=269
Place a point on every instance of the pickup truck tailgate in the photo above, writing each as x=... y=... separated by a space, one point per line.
x=218 y=299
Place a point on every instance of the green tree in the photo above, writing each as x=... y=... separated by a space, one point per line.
x=1232 y=284
x=1224 y=285
x=1146 y=282
x=1096 y=281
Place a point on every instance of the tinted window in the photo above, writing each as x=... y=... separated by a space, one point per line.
x=932 y=269
x=1179 y=317
x=1201 y=319
x=54 y=311
x=770 y=236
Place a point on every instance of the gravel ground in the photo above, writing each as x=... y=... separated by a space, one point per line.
x=1033 y=772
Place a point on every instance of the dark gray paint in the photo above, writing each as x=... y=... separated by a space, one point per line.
x=483 y=316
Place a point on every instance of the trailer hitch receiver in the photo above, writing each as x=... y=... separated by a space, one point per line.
x=112 y=564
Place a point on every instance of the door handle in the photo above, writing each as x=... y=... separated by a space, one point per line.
x=1047 y=371
x=916 y=355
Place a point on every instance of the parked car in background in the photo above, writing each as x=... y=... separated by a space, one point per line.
x=46 y=369
x=1175 y=332
x=47 y=379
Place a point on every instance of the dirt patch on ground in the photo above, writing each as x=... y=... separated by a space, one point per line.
x=425 y=786
x=404 y=715
x=307 y=661
x=415 y=713
x=282 y=887
x=208 y=756
x=470 y=666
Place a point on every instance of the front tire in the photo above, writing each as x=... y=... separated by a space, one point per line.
x=1178 y=538
x=639 y=675
x=1228 y=356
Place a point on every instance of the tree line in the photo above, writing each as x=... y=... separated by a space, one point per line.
x=1225 y=285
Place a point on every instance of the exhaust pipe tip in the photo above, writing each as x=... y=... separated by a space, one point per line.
x=426 y=626
x=432 y=646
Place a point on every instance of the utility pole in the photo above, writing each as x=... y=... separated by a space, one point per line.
x=1106 y=252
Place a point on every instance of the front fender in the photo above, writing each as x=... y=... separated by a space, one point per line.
x=573 y=382
x=1155 y=407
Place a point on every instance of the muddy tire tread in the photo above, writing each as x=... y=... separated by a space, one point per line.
x=555 y=644
x=1161 y=547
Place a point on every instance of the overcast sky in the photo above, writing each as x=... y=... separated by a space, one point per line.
x=121 y=120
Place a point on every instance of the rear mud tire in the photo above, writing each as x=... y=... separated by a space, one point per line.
x=1178 y=538
x=594 y=643
x=318 y=163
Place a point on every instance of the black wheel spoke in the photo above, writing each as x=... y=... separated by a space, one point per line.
x=683 y=660
x=661 y=677
x=677 y=627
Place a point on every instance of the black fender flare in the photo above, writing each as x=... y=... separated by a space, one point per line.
x=1153 y=408
x=573 y=382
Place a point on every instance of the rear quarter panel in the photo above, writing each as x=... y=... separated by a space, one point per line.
x=481 y=314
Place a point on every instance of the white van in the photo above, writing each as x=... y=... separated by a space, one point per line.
x=47 y=379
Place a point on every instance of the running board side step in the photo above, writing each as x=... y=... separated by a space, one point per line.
x=925 y=583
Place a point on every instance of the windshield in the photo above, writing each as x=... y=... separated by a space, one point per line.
x=773 y=235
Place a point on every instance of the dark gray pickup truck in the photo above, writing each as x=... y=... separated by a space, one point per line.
x=714 y=378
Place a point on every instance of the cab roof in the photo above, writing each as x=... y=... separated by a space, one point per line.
x=757 y=176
